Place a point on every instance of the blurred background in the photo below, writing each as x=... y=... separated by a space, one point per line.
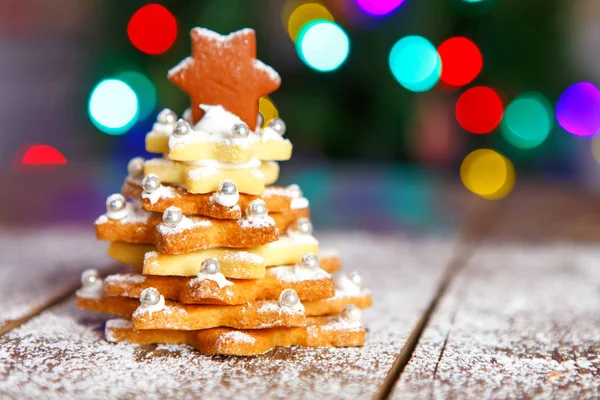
x=397 y=109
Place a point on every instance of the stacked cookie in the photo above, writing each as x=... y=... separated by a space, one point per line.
x=220 y=259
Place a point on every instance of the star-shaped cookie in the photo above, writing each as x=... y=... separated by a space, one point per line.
x=223 y=70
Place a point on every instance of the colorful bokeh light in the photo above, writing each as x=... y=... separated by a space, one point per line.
x=267 y=109
x=578 y=109
x=304 y=14
x=323 y=45
x=378 y=8
x=113 y=107
x=461 y=61
x=415 y=63
x=152 y=29
x=479 y=110
x=143 y=88
x=487 y=174
x=41 y=154
x=527 y=121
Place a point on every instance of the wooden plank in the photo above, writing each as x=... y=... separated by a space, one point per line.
x=62 y=352
x=520 y=321
x=37 y=268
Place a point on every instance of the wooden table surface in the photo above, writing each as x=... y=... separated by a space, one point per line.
x=507 y=306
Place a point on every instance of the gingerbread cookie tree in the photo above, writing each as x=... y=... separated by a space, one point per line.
x=220 y=259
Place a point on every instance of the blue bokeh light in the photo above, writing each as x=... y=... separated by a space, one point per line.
x=415 y=63
x=323 y=45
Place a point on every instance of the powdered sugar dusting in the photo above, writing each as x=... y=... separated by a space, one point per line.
x=519 y=322
x=185 y=224
x=273 y=75
x=234 y=337
x=63 y=353
x=163 y=192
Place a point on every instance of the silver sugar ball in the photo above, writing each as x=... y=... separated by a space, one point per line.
x=295 y=191
x=150 y=183
x=288 y=298
x=355 y=278
x=172 y=216
x=278 y=126
x=228 y=187
x=257 y=208
x=304 y=226
x=149 y=297
x=182 y=128
x=260 y=120
x=210 y=266
x=89 y=277
x=115 y=203
x=351 y=314
x=310 y=261
x=167 y=116
x=240 y=130
x=135 y=168
x=187 y=115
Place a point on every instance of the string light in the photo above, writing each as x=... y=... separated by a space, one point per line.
x=415 y=63
x=43 y=155
x=378 y=8
x=488 y=174
x=304 y=14
x=144 y=89
x=113 y=107
x=527 y=121
x=461 y=61
x=578 y=109
x=152 y=29
x=267 y=109
x=323 y=45
x=479 y=110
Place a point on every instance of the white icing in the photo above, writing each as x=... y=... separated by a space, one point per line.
x=298 y=203
x=129 y=278
x=183 y=225
x=130 y=214
x=163 y=192
x=269 y=134
x=202 y=173
x=153 y=308
x=219 y=278
x=226 y=200
x=92 y=291
x=254 y=222
x=296 y=273
x=345 y=287
x=340 y=323
x=275 y=307
x=166 y=129
x=216 y=119
x=253 y=163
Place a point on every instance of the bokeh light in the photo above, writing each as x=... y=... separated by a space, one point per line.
x=40 y=154
x=113 y=107
x=143 y=88
x=152 y=29
x=527 y=121
x=304 y=14
x=267 y=109
x=487 y=174
x=415 y=63
x=378 y=8
x=461 y=61
x=479 y=110
x=578 y=109
x=323 y=45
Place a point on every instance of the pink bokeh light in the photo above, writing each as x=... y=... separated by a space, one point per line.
x=378 y=7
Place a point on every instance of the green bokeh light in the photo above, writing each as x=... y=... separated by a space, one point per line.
x=113 y=107
x=143 y=88
x=415 y=63
x=527 y=121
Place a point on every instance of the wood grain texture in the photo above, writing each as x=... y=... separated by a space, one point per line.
x=37 y=268
x=62 y=352
x=520 y=322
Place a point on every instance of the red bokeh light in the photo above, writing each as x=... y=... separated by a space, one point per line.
x=43 y=155
x=479 y=110
x=461 y=61
x=152 y=29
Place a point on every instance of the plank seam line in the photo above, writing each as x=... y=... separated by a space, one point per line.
x=474 y=232
x=51 y=302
